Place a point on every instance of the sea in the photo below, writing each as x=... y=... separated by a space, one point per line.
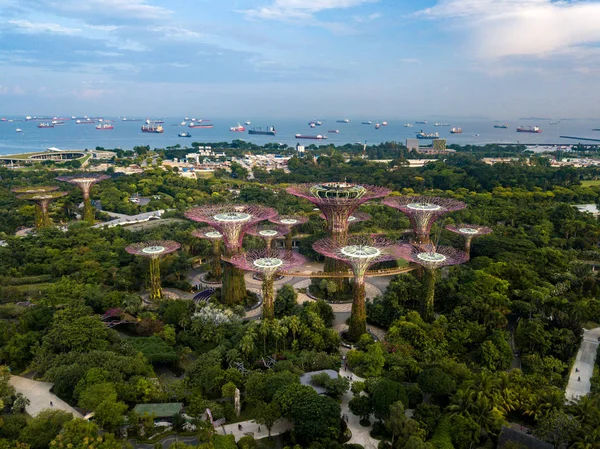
x=127 y=134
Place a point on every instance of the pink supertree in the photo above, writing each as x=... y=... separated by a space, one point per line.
x=338 y=200
x=42 y=199
x=233 y=221
x=85 y=183
x=268 y=263
x=469 y=232
x=356 y=217
x=360 y=252
x=215 y=237
x=289 y=221
x=431 y=258
x=154 y=250
x=268 y=232
x=423 y=211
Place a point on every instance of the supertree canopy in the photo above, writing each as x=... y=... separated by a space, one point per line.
x=338 y=200
x=289 y=221
x=268 y=232
x=469 y=231
x=233 y=221
x=42 y=198
x=210 y=233
x=36 y=189
x=154 y=251
x=85 y=183
x=268 y=263
x=356 y=217
x=423 y=211
x=360 y=252
x=431 y=258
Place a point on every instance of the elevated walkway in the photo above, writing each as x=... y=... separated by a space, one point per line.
x=348 y=274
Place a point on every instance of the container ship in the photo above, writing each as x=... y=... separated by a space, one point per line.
x=317 y=137
x=343 y=121
x=152 y=129
x=456 y=131
x=270 y=131
x=200 y=125
x=530 y=129
x=105 y=126
x=85 y=122
x=45 y=125
x=441 y=124
x=422 y=135
x=238 y=129
x=501 y=125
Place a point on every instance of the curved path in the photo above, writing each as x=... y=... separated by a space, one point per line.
x=40 y=397
x=583 y=368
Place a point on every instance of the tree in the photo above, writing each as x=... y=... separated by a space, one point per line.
x=361 y=406
x=384 y=393
x=435 y=381
x=465 y=431
x=557 y=428
x=428 y=416
x=80 y=434
x=285 y=301
x=42 y=429
x=109 y=413
x=95 y=394
x=267 y=414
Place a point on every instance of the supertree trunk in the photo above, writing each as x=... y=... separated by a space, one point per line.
x=358 y=317
x=429 y=278
x=233 y=290
x=88 y=210
x=43 y=219
x=288 y=241
x=216 y=269
x=340 y=236
x=468 y=240
x=155 y=288
x=268 y=292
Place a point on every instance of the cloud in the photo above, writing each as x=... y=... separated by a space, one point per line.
x=300 y=9
x=11 y=90
x=25 y=26
x=175 y=32
x=410 y=60
x=502 y=28
x=97 y=10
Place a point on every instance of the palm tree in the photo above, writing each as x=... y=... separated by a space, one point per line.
x=461 y=402
x=484 y=413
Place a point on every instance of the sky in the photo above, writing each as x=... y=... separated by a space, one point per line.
x=301 y=58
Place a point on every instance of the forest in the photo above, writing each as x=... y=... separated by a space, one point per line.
x=498 y=354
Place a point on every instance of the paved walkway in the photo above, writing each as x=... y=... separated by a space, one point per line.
x=40 y=397
x=583 y=368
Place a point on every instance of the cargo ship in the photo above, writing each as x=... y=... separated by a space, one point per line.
x=270 y=131
x=57 y=122
x=152 y=129
x=456 y=131
x=184 y=134
x=200 y=125
x=333 y=131
x=125 y=119
x=155 y=122
x=408 y=125
x=238 y=129
x=530 y=129
x=421 y=122
x=105 y=126
x=343 y=121
x=377 y=125
x=317 y=137
x=422 y=135
x=596 y=129
x=383 y=123
x=86 y=121
x=45 y=125
x=441 y=124
x=368 y=122
x=501 y=125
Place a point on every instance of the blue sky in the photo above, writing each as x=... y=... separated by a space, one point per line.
x=300 y=58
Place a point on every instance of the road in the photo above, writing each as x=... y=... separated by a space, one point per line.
x=583 y=368
x=40 y=397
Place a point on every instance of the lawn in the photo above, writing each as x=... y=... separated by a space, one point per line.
x=590 y=183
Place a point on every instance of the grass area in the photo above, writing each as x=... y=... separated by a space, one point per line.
x=590 y=183
x=204 y=175
x=33 y=289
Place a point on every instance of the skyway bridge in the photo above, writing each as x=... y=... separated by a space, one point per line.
x=348 y=274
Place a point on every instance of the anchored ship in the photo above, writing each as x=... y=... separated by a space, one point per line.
x=530 y=129
x=238 y=129
x=423 y=135
x=270 y=131
x=317 y=137
x=105 y=126
x=152 y=129
x=456 y=131
x=501 y=125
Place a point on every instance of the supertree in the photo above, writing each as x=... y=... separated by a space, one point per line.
x=268 y=263
x=289 y=221
x=423 y=211
x=469 y=232
x=233 y=221
x=215 y=238
x=41 y=196
x=268 y=232
x=431 y=258
x=154 y=250
x=338 y=201
x=360 y=252
x=356 y=217
x=85 y=183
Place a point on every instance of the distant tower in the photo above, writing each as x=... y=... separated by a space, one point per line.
x=364 y=151
x=268 y=232
x=360 y=252
x=41 y=196
x=216 y=238
x=232 y=221
x=289 y=221
x=85 y=183
x=338 y=201
x=268 y=263
x=431 y=259
x=423 y=211
x=469 y=232
x=154 y=251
